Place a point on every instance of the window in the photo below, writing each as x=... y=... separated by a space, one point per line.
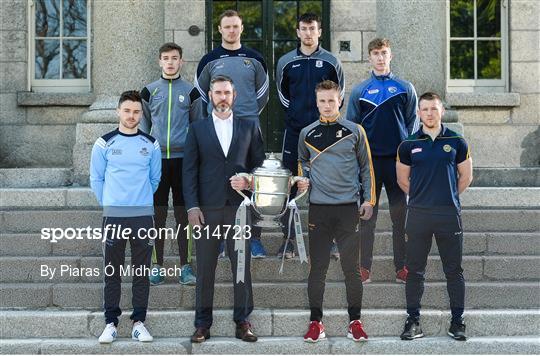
x=477 y=47
x=270 y=28
x=59 y=38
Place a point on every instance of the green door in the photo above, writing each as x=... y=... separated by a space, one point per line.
x=270 y=28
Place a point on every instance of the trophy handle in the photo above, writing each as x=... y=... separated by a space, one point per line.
x=243 y=175
x=295 y=180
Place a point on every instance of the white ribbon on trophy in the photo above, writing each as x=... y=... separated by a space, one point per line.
x=294 y=216
x=240 y=222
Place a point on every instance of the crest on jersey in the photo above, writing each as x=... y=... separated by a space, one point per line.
x=447 y=148
x=181 y=98
x=318 y=64
x=339 y=134
x=392 y=89
x=247 y=62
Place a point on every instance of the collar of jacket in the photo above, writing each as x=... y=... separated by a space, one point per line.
x=299 y=52
x=382 y=77
x=170 y=77
x=329 y=121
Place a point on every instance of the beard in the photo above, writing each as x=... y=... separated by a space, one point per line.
x=221 y=107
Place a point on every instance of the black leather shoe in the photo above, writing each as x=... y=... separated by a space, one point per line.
x=244 y=332
x=200 y=335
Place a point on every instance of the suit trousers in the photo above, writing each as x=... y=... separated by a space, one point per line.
x=207 y=250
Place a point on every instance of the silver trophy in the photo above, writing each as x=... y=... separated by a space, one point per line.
x=271 y=184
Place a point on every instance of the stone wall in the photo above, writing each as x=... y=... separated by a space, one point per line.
x=32 y=134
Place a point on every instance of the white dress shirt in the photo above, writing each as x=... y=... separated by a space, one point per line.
x=224 y=131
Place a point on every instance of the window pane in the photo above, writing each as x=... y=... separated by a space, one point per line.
x=282 y=47
x=47 y=59
x=461 y=18
x=285 y=19
x=461 y=60
x=218 y=8
x=489 y=59
x=251 y=12
x=311 y=6
x=488 y=18
x=74 y=13
x=74 y=59
x=256 y=45
x=47 y=18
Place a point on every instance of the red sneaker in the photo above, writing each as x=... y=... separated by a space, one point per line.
x=401 y=275
x=365 y=275
x=315 y=332
x=356 y=331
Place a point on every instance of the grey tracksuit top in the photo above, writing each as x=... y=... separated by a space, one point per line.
x=333 y=155
x=169 y=106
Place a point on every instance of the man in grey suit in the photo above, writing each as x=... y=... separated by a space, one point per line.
x=216 y=149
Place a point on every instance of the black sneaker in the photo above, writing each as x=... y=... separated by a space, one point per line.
x=289 y=253
x=412 y=330
x=457 y=331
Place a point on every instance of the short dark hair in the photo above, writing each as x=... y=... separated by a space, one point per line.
x=131 y=95
x=170 y=46
x=221 y=78
x=378 y=43
x=308 y=17
x=229 y=13
x=429 y=96
x=327 y=85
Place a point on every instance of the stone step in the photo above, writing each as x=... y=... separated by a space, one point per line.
x=277 y=345
x=35 y=177
x=480 y=295
x=506 y=177
x=474 y=197
x=266 y=322
x=69 y=269
x=499 y=220
x=474 y=243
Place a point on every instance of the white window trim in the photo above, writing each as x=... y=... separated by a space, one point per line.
x=480 y=85
x=56 y=85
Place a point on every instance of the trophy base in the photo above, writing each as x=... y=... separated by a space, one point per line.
x=267 y=221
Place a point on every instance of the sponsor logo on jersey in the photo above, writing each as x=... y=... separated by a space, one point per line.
x=295 y=65
x=447 y=148
x=416 y=150
x=318 y=135
x=158 y=97
x=318 y=64
x=116 y=152
x=373 y=91
x=144 y=151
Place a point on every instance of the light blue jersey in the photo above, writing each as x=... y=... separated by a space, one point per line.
x=124 y=173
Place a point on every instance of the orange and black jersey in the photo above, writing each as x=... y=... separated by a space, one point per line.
x=434 y=174
x=333 y=155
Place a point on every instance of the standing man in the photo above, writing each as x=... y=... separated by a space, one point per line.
x=216 y=149
x=297 y=74
x=125 y=169
x=330 y=152
x=248 y=70
x=385 y=106
x=169 y=105
x=433 y=167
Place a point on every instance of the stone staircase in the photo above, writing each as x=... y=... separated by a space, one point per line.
x=62 y=315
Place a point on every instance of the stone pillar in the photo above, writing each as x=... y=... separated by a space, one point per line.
x=417 y=32
x=126 y=35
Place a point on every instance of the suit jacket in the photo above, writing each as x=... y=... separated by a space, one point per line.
x=206 y=170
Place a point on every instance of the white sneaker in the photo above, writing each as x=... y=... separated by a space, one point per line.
x=108 y=335
x=140 y=333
